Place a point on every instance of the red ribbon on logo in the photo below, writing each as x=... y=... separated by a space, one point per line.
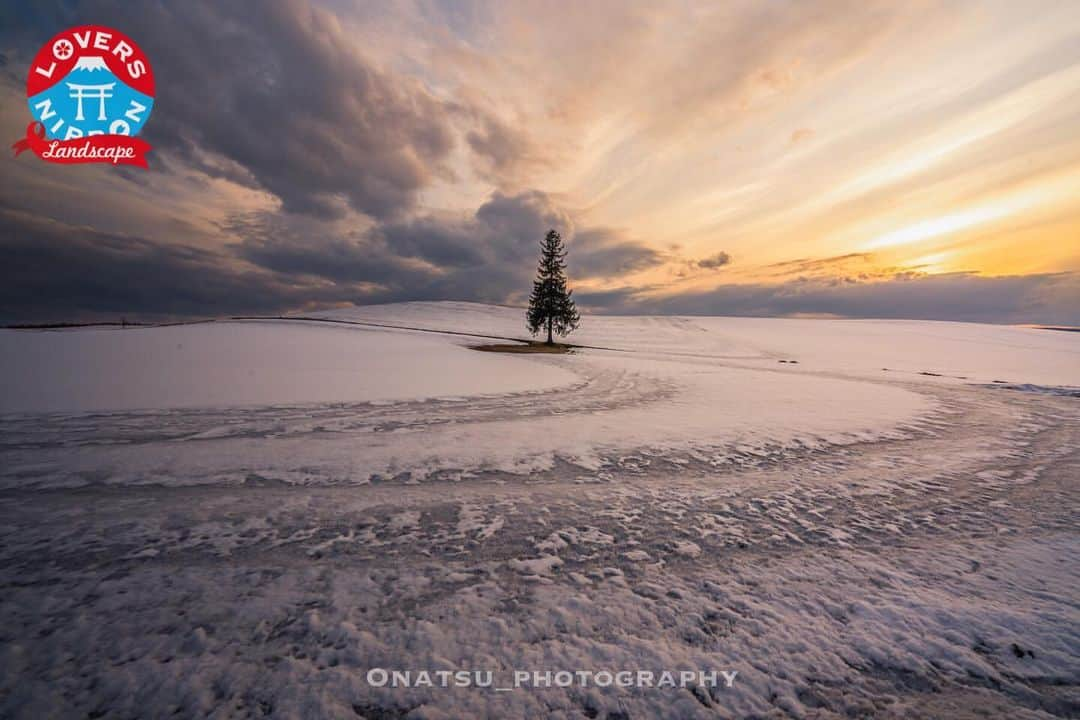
x=112 y=149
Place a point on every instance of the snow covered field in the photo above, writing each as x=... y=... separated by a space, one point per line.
x=243 y=363
x=240 y=519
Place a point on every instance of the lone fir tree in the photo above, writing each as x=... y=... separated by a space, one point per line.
x=550 y=305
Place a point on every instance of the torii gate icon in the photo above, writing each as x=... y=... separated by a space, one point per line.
x=91 y=92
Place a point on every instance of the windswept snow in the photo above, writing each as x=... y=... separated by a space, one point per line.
x=182 y=537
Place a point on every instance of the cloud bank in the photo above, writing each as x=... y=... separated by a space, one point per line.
x=1050 y=299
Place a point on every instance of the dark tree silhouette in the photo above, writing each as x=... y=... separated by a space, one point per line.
x=550 y=305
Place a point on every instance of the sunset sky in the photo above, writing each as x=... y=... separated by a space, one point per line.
x=914 y=159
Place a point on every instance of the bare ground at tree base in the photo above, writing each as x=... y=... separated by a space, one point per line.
x=531 y=347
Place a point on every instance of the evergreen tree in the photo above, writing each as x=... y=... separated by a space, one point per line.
x=550 y=305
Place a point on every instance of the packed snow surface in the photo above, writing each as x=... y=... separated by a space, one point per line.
x=241 y=519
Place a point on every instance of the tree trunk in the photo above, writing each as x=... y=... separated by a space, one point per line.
x=549 y=342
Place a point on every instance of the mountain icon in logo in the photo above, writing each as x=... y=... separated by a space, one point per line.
x=90 y=64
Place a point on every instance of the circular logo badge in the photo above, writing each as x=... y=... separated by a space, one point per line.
x=90 y=80
x=90 y=90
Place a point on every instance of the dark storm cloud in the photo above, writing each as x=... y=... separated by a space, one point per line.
x=488 y=256
x=277 y=90
x=1048 y=298
x=299 y=246
x=604 y=253
x=449 y=245
x=522 y=219
x=502 y=235
x=54 y=272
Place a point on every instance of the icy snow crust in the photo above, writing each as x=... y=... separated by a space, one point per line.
x=853 y=541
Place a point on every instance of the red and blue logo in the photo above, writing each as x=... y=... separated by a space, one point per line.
x=90 y=90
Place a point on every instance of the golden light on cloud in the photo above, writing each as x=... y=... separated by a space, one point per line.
x=1042 y=195
x=934 y=262
x=935 y=227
